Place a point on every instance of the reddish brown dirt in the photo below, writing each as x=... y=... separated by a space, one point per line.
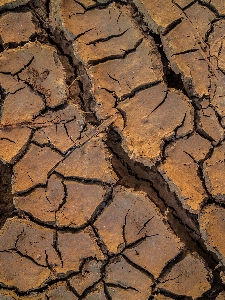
x=112 y=149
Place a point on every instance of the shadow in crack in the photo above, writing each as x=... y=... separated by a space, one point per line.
x=6 y=198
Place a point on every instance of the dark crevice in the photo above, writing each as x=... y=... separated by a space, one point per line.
x=115 y=56
x=171 y=26
x=138 y=177
x=210 y=7
x=171 y=79
x=7 y=208
x=186 y=6
x=138 y=89
x=100 y=40
x=186 y=51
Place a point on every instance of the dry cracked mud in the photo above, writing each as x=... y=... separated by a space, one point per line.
x=112 y=149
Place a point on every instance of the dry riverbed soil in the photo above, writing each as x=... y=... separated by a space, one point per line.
x=112 y=149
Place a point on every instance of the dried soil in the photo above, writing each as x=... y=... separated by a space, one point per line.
x=112 y=149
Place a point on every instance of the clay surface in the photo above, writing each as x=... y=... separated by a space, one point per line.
x=112 y=118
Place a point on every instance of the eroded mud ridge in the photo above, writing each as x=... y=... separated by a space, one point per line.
x=112 y=149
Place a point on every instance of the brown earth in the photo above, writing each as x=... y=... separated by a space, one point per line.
x=112 y=149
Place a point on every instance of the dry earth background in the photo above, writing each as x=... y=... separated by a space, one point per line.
x=112 y=149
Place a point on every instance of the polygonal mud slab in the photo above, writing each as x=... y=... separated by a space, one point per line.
x=183 y=157
x=60 y=129
x=125 y=282
x=13 y=142
x=16 y=27
x=157 y=121
x=43 y=203
x=39 y=69
x=33 y=168
x=212 y=222
x=92 y=161
x=189 y=277
x=90 y=274
x=131 y=224
x=214 y=173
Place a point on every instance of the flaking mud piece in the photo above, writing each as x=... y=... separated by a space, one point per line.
x=212 y=222
x=189 y=277
x=183 y=157
x=157 y=121
x=216 y=42
x=132 y=224
x=213 y=170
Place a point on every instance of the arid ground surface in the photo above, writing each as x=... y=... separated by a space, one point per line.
x=112 y=149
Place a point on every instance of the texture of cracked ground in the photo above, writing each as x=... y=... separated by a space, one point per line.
x=112 y=149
